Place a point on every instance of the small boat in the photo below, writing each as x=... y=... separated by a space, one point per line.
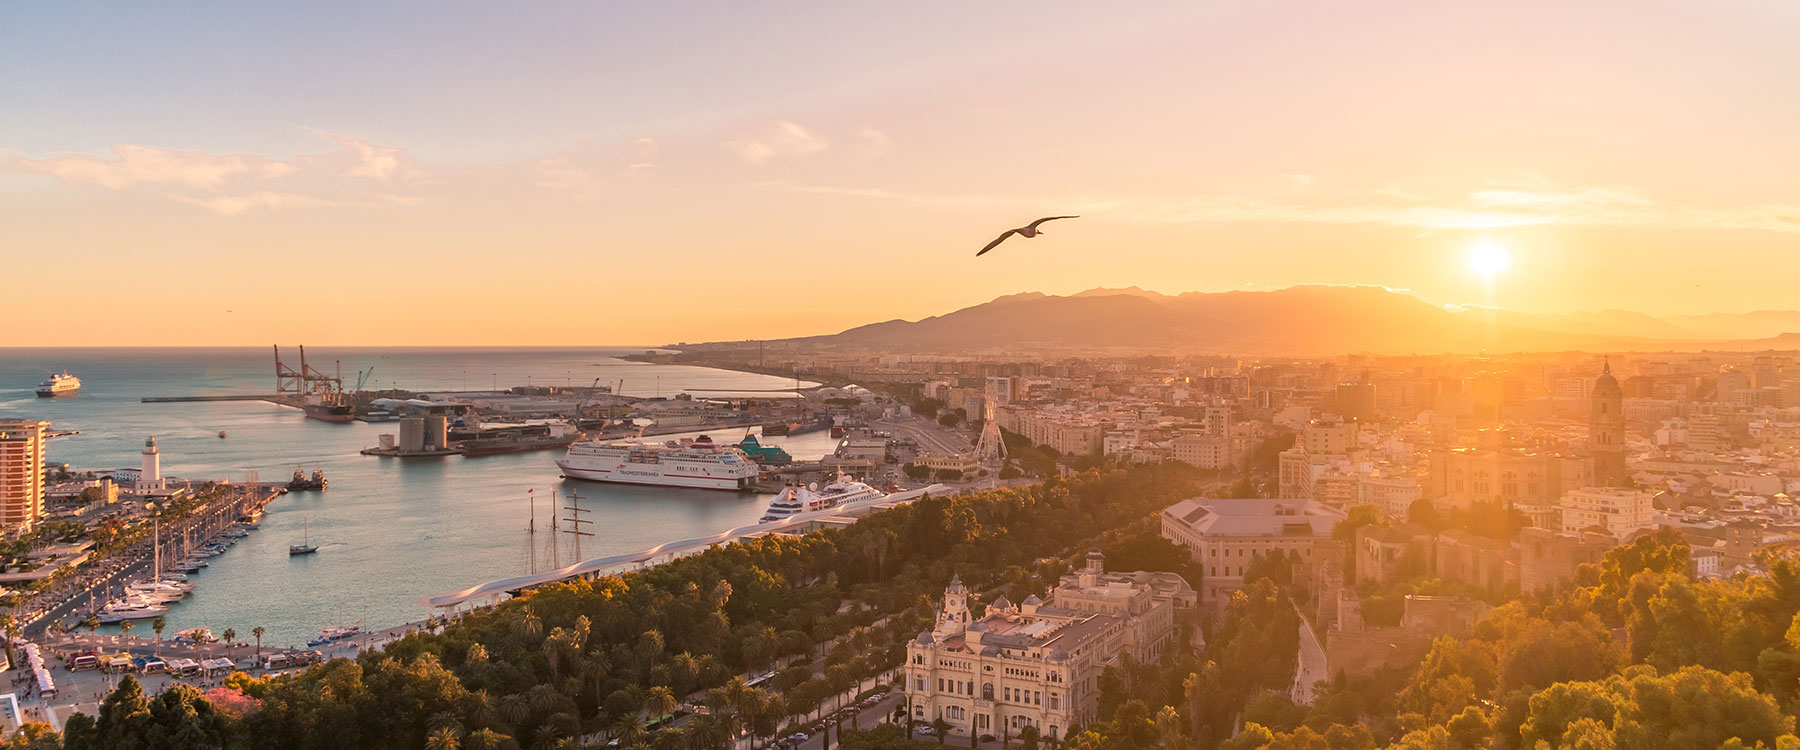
x=305 y=547
x=221 y=434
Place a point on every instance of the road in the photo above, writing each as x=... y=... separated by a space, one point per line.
x=1310 y=666
x=927 y=434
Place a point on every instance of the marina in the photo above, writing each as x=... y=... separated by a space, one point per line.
x=388 y=532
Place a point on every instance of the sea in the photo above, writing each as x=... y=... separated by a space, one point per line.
x=390 y=531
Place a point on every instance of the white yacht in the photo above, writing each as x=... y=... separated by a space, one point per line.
x=698 y=462
x=795 y=501
x=59 y=384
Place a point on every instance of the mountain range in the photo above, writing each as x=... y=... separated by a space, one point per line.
x=1300 y=320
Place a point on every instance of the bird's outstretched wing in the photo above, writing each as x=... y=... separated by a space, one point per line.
x=1034 y=224
x=997 y=241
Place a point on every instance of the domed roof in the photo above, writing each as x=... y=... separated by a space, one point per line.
x=1607 y=385
x=1001 y=602
x=1033 y=599
x=924 y=639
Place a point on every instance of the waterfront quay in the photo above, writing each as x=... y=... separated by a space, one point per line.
x=94 y=583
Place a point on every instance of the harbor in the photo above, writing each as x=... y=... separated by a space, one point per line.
x=388 y=532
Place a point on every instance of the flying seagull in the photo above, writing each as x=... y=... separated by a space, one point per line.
x=1029 y=230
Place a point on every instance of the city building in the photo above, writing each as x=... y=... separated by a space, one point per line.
x=1201 y=450
x=1618 y=511
x=21 y=472
x=1038 y=663
x=1226 y=535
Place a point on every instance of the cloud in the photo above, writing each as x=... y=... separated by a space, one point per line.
x=781 y=139
x=232 y=183
x=232 y=205
x=372 y=161
x=561 y=174
x=131 y=165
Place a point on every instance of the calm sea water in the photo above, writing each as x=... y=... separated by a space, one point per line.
x=389 y=530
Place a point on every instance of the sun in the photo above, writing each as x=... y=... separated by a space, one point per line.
x=1489 y=259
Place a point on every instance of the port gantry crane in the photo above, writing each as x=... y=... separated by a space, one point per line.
x=292 y=386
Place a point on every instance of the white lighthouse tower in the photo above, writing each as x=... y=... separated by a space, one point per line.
x=150 y=479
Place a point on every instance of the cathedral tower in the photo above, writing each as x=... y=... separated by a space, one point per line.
x=1606 y=431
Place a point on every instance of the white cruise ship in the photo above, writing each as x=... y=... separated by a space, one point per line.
x=795 y=501
x=698 y=463
x=59 y=384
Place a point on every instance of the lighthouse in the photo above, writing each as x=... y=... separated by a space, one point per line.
x=150 y=477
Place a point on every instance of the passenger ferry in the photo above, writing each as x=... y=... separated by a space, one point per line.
x=698 y=463
x=794 y=501
x=59 y=384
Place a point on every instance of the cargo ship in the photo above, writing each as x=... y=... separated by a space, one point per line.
x=698 y=463
x=520 y=441
x=59 y=384
x=330 y=412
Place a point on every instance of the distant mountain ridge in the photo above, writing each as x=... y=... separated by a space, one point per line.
x=1300 y=320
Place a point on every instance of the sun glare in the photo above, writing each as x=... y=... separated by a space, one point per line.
x=1489 y=259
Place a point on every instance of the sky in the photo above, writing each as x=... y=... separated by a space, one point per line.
x=604 y=172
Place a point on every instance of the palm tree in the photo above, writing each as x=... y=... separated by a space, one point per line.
x=659 y=701
x=669 y=738
x=1168 y=728
x=258 y=632
x=443 y=738
x=481 y=709
x=527 y=625
x=485 y=739
x=92 y=623
x=125 y=627
x=629 y=731
x=10 y=625
x=514 y=709
x=230 y=636
x=685 y=669
x=157 y=625
x=942 y=728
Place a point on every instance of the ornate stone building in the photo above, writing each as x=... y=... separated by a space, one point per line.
x=1038 y=663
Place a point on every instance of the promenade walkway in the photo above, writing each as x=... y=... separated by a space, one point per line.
x=670 y=550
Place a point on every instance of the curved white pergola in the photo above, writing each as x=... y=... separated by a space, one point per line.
x=604 y=565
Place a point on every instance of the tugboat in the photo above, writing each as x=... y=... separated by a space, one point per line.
x=301 y=483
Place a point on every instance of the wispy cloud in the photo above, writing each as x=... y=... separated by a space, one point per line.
x=779 y=139
x=373 y=162
x=232 y=183
x=130 y=165
x=232 y=205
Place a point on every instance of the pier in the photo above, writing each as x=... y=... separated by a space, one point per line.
x=191 y=399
